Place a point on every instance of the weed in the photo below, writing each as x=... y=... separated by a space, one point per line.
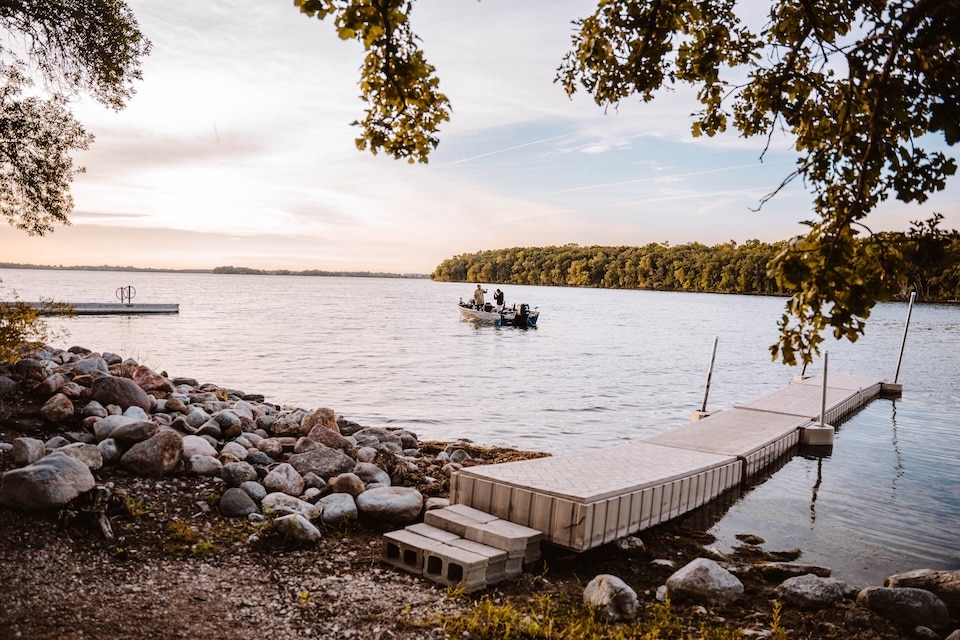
x=181 y=531
x=136 y=508
x=304 y=598
x=203 y=548
x=776 y=624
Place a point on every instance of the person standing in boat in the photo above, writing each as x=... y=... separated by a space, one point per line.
x=498 y=299
x=478 y=297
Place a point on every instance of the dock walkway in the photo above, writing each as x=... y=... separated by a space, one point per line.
x=582 y=500
x=108 y=308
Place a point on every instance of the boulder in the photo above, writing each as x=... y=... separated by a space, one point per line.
x=811 y=592
x=27 y=450
x=8 y=387
x=48 y=483
x=371 y=473
x=322 y=417
x=906 y=606
x=57 y=409
x=945 y=584
x=325 y=462
x=88 y=454
x=337 y=509
x=130 y=433
x=296 y=527
x=197 y=446
x=91 y=366
x=236 y=473
x=390 y=505
x=201 y=465
x=156 y=456
x=284 y=478
x=123 y=392
x=331 y=439
x=704 y=581
x=149 y=380
x=236 y=503
x=279 y=504
x=348 y=483
x=613 y=596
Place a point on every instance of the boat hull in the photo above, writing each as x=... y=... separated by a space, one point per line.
x=505 y=318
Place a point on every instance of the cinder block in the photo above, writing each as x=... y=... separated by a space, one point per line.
x=405 y=550
x=434 y=533
x=515 y=539
x=474 y=514
x=496 y=559
x=455 y=567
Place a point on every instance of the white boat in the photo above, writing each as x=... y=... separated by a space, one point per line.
x=519 y=315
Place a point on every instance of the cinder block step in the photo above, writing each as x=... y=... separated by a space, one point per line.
x=460 y=546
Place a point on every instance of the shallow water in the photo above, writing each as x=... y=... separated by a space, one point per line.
x=602 y=367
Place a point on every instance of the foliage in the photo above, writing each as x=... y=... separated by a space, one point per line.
x=22 y=327
x=537 y=617
x=404 y=105
x=863 y=90
x=92 y=46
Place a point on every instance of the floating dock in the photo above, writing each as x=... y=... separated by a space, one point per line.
x=583 y=500
x=105 y=308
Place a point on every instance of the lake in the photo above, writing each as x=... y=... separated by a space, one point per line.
x=601 y=368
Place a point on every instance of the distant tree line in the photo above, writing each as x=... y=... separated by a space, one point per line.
x=315 y=272
x=930 y=258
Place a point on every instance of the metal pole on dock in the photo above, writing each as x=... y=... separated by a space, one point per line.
x=823 y=391
x=906 y=325
x=706 y=390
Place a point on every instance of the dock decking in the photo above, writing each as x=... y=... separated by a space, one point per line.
x=582 y=500
x=110 y=308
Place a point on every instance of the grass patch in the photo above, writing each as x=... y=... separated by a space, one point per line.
x=543 y=618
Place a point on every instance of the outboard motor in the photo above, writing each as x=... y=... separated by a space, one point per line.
x=523 y=311
x=488 y=307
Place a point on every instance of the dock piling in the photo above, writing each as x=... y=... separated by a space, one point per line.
x=903 y=342
x=697 y=415
x=820 y=435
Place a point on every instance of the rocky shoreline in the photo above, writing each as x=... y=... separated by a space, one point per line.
x=94 y=442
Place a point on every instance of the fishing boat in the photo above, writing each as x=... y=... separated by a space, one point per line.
x=519 y=315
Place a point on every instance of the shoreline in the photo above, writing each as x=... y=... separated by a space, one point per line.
x=152 y=538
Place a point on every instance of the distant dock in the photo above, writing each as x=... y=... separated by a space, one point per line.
x=107 y=308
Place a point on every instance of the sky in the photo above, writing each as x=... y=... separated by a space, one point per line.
x=238 y=150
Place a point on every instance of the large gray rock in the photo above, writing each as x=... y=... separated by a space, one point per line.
x=613 y=596
x=294 y=527
x=130 y=433
x=371 y=473
x=325 y=462
x=48 y=483
x=337 y=509
x=236 y=473
x=27 y=450
x=197 y=446
x=390 y=505
x=811 y=592
x=91 y=366
x=906 y=606
x=279 y=504
x=122 y=392
x=704 y=581
x=88 y=454
x=157 y=456
x=236 y=503
x=208 y=466
x=945 y=584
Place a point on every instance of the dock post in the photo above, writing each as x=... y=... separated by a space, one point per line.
x=820 y=435
x=697 y=415
x=894 y=388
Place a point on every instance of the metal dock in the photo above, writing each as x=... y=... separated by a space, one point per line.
x=107 y=308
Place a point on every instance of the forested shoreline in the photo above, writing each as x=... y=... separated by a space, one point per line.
x=931 y=266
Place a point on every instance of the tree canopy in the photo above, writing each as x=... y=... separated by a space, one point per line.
x=866 y=89
x=73 y=46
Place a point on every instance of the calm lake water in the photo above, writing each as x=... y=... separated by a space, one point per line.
x=603 y=367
